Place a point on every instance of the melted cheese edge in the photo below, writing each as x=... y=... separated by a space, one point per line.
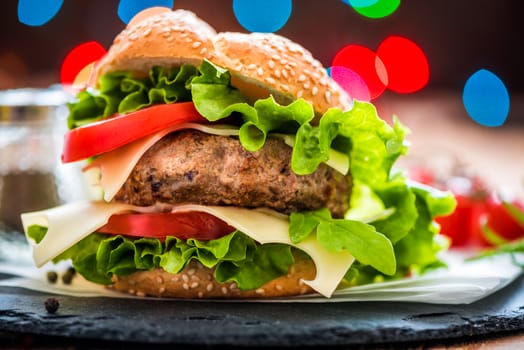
x=70 y=223
x=116 y=166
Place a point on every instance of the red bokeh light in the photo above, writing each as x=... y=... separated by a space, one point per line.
x=406 y=64
x=77 y=59
x=365 y=63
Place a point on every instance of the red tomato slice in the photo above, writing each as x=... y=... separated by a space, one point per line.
x=197 y=225
x=108 y=134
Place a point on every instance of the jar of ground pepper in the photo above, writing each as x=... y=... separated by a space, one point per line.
x=30 y=137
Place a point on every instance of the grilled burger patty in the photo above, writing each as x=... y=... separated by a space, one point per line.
x=194 y=167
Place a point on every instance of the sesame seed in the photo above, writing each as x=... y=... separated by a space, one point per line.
x=307 y=85
x=147 y=32
x=140 y=294
x=252 y=66
x=278 y=287
x=285 y=87
x=167 y=33
x=327 y=95
x=196 y=44
x=170 y=39
x=133 y=37
x=271 y=64
x=314 y=90
x=159 y=279
x=276 y=73
x=188 y=40
x=270 y=80
x=224 y=290
x=185 y=286
x=209 y=287
x=161 y=290
x=200 y=294
x=301 y=78
x=233 y=286
x=284 y=73
x=203 y=51
x=300 y=93
x=191 y=272
x=260 y=71
x=131 y=291
x=174 y=279
x=195 y=285
x=260 y=291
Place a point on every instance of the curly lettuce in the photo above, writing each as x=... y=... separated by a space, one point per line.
x=235 y=257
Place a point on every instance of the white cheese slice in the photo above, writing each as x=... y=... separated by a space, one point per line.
x=70 y=223
x=116 y=166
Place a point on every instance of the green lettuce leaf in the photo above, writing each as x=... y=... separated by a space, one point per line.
x=236 y=257
x=367 y=245
x=120 y=92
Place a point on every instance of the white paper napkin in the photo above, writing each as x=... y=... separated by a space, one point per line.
x=463 y=282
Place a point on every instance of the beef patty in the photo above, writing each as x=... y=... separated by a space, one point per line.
x=194 y=167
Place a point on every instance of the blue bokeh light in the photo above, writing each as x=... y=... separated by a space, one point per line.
x=127 y=9
x=38 y=12
x=265 y=16
x=486 y=98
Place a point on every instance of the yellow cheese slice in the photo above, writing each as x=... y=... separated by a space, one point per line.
x=69 y=223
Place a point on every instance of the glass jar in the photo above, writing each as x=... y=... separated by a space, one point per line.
x=32 y=123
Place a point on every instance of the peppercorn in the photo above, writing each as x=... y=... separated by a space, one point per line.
x=51 y=305
x=67 y=277
x=52 y=277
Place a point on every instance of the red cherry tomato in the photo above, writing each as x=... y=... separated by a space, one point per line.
x=500 y=220
x=108 y=134
x=197 y=225
x=463 y=224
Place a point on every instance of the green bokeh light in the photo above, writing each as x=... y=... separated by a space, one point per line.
x=380 y=9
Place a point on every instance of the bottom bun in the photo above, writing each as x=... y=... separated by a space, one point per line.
x=197 y=281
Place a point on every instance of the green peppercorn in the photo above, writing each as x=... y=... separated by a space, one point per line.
x=52 y=276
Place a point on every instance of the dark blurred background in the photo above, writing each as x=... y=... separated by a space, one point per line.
x=459 y=37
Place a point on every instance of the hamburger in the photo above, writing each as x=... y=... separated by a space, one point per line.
x=230 y=165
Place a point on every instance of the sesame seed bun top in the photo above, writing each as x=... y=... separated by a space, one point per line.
x=261 y=63
x=169 y=38
x=284 y=68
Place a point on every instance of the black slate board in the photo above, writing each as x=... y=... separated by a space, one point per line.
x=210 y=324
